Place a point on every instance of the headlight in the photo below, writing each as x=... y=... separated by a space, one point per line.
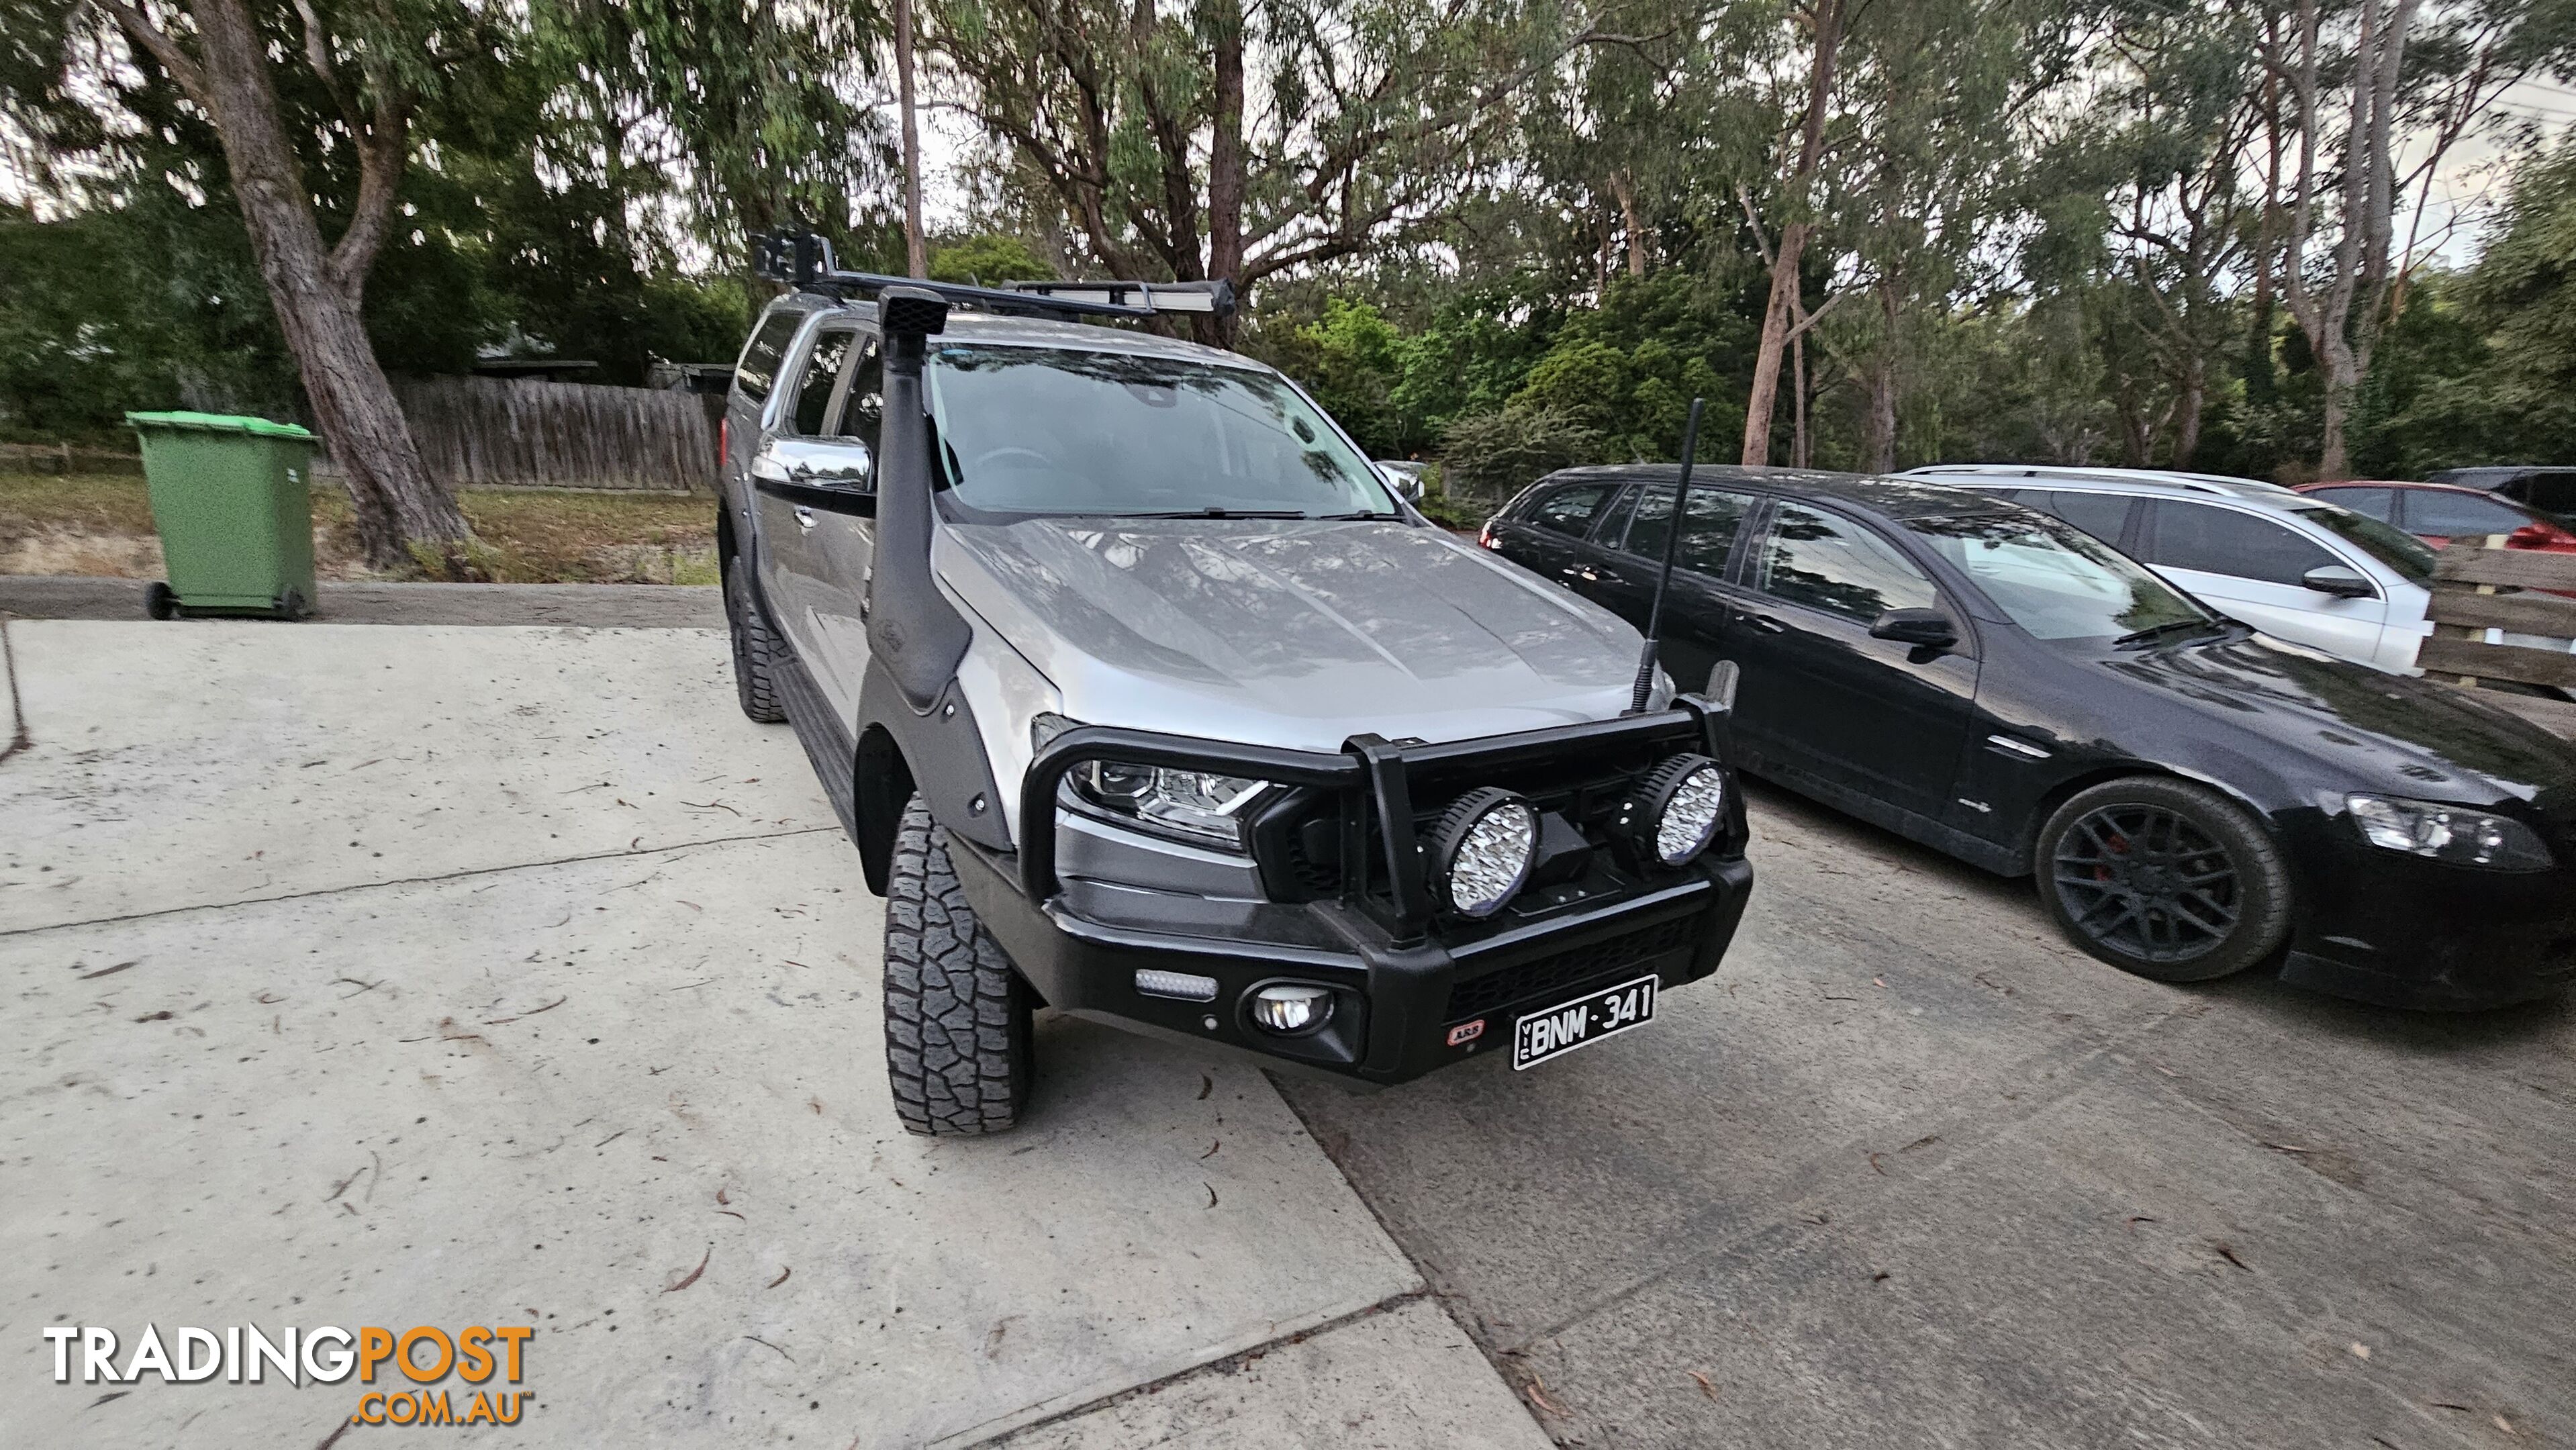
x=1676 y=811
x=1481 y=850
x=2447 y=833
x=1195 y=804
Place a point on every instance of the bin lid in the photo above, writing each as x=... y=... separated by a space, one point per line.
x=218 y=423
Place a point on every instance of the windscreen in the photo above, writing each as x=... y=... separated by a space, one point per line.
x=2055 y=581
x=2394 y=547
x=1027 y=430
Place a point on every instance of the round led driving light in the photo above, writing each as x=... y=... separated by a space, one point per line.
x=1481 y=850
x=1289 y=1007
x=1677 y=809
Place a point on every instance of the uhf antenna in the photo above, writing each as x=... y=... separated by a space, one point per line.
x=1664 y=580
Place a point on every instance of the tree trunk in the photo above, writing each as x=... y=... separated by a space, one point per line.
x=1626 y=191
x=916 y=251
x=316 y=290
x=1878 y=430
x=1801 y=455
x=2190 y=396
x=1225 y=160
x=1765 y=395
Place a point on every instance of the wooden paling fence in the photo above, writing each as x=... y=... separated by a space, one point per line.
x=64 y=458
x=522 y=432
x=2470 y=597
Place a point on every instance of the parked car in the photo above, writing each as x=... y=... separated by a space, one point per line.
x=2551 y=490
x=2294 y=567
x=2440 y=512
x=1143 y=698
x=2192 y=796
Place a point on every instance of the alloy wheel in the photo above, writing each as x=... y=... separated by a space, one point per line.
x=2147 y=882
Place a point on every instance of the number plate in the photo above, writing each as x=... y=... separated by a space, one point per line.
x=1587 y=1019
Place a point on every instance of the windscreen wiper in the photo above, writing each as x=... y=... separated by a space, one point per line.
x=2158 y=631
x=1220 y=513
x=1362 y=514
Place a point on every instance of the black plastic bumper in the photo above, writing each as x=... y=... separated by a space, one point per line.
x=1411 y=992
x=2406 y=932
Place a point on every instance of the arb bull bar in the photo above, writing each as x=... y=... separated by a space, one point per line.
x=1414 y=990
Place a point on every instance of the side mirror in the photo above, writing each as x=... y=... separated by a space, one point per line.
x=841 y=465
x=2339 y=581
x=1723 y=677
x=1922 y=628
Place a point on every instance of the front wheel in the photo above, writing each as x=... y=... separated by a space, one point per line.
x=959 y=1047
x=2163 y=878
x=755 y=650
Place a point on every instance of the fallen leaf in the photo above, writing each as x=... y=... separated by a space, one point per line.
x=2136 y=1219
x=781 y=1279
x=765 y=1344
x=1878 y=981
x=1211 y=1188
x=2229 y=1255
x=2360 y=1350
x=1705 y=1387
x=693 y=1273
x=1881 y=1277
x=1207 y=1085
x=2504 y=1424
x=163 y=1015
x=2286 y=1148
x=103 y=1399
x=107 y=971
x=1926 y=1141
x=720 y=1196
x=730 y=1211
x=1874 y=1163
x=1213 y=1144
x=1538 y=1393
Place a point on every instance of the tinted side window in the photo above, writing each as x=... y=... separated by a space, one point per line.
x=863 y=407
x=2376 y=503
x=2222 y=541
x=2551 y=493
x=1835 y=565
x=1570 y=510
x=1708 y=533
x=2449 y=515
x=758 y=369
x=822 y=374
x=2103 y=515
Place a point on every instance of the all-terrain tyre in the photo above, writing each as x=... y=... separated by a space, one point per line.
x=755 y=649
x=959 y=1048
x=2163 y=878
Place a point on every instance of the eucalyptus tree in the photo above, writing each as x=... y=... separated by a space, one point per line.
x=363 y=73
x=1240 y=139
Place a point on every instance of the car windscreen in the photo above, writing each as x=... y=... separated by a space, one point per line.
x=2056 y=581
x=1034 y=430
x=2394 y=547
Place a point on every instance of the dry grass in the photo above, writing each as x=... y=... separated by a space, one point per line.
x=101 y=524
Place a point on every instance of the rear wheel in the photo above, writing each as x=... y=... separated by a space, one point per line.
x=959 y=1048
x=2163 y=878
x=159 y=602
x=755 y=649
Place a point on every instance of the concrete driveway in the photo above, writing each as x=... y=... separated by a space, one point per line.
x=455 y=976
x=1910 y=1171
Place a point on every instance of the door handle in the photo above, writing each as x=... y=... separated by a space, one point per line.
x=804 y=517
x=1765 y=621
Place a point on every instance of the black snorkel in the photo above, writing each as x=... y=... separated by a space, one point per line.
x=912 y=627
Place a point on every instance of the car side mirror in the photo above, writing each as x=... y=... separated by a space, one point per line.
x=2340 y=581
x=1723 y=677
x=845 y=464
x=1922 y=628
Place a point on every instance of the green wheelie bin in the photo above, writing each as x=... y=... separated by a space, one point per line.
x=231 y=500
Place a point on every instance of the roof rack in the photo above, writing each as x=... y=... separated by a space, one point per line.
x=804 y=259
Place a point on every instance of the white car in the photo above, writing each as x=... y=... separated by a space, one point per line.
x=2293 y=566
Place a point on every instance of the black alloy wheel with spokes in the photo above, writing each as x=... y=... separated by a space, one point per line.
x=2163 y=878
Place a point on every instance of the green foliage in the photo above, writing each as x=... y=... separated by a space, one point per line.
x=988 y=260
x=1491 y=456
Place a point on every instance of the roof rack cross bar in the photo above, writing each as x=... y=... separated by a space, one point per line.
x=803 y=259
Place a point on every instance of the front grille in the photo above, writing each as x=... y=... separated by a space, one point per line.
x=1479 y=995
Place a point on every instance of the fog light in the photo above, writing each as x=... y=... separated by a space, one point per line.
x=1181 y=985
x=1291 y=1008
